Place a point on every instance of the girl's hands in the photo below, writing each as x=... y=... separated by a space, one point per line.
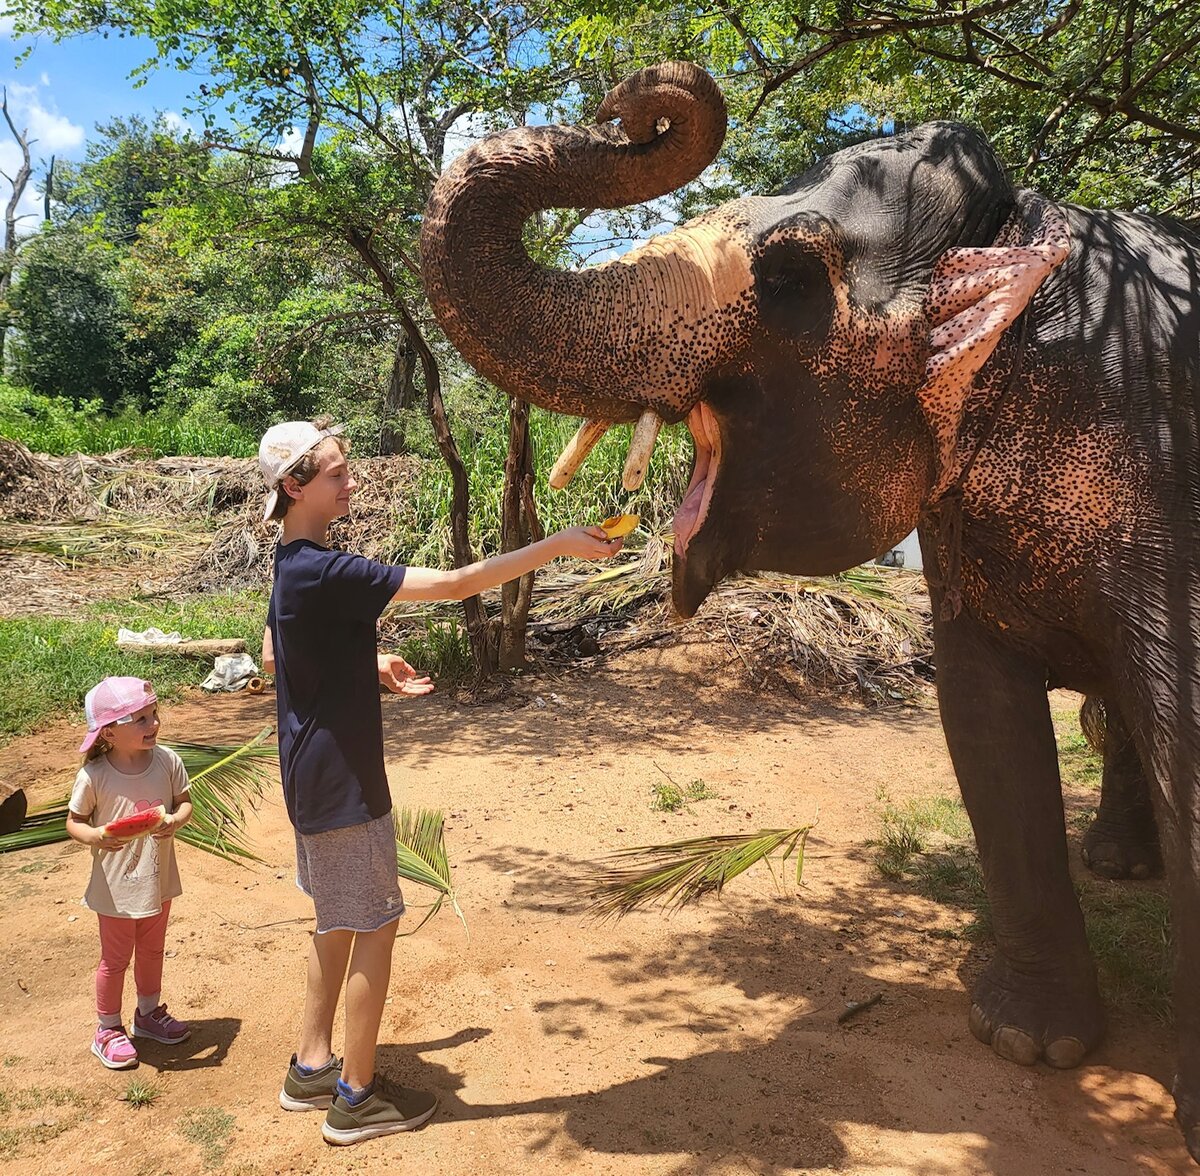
x=101 y=840
x=589 y=543
x=167 y=829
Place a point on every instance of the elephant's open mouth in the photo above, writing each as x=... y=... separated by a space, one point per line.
x=692 y=512
x=690 y=516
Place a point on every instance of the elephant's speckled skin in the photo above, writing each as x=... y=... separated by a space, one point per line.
x=843 y=348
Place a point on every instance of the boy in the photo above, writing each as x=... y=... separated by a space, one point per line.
x=320 y=642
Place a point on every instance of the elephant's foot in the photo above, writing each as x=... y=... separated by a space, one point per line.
x=1122 y=849
x=1026 y=1019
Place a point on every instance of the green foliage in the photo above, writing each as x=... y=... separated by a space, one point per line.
x=131 y=166
x=53 y=424
x=1078 y=763
x=1129 y=932
x=67 y=310
x=442 y=651
x=211 y=1129
x=680 y=873
x=52 y=662
x=927 y=844
x=593 y=494
x=670 y=797
x=141 y=1092
x=421 y=858
x=1087 y=100
x=224 y=782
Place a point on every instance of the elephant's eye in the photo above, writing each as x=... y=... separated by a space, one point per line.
x=794 y=294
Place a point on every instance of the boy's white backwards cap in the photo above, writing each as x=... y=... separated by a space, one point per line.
x=281 y=447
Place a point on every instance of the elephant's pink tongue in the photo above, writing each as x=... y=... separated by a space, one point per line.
x=694 y=508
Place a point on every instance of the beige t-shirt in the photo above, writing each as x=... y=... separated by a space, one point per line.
x=135 y=881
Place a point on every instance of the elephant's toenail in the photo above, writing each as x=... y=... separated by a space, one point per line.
x=979 y=1025
x=1015 y=1045
x=1065 y=1052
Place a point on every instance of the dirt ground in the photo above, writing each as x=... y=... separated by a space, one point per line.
x=704 y=1043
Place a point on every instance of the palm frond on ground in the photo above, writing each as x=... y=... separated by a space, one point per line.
x=678 y=873
x=225 y=781
x=421 y=858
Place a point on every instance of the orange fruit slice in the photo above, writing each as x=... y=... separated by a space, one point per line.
x=620 y=525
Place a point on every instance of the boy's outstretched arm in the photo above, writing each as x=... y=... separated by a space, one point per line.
x=459 y=583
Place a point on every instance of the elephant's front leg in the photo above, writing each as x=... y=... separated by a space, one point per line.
x=1038 y=998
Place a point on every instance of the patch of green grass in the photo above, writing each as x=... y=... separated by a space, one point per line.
x=211 y=1129
x=141 y=1092
x=52 y=662
x=669 y=797
x=1129 y=931
x=56 y=424
x=928 y=845
x=10 y=1142
x=443 y=651
x=33 y=1098
x=1078 y=764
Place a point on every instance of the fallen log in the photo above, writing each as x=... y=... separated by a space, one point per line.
x=197 y=647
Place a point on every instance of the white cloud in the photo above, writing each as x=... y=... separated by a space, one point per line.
x=45 y=78
x=178 y=124
x=53 y=133
x=49 y=133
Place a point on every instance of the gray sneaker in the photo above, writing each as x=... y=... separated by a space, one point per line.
x=390 y=1107
x=310 y=1092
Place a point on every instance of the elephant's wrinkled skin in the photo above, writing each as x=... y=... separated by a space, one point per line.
x=900 y=338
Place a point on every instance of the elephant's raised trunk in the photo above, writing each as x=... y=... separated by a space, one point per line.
x=609 y=341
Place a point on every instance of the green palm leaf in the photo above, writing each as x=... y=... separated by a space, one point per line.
x=225 y=781
x=421 y=858
x=681 y=872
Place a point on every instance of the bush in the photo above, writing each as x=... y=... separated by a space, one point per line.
x=55 y=424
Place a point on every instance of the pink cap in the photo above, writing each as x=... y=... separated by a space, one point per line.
x=111 y=701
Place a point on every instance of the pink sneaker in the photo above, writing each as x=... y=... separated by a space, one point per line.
x=114 y=1049
x=159 y=1025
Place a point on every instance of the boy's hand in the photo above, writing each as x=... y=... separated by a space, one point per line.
x=589 y=543
x=399 y=677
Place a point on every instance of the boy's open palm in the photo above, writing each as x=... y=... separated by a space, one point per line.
x=399 y=677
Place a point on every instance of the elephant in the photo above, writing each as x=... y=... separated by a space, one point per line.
x=901 y=338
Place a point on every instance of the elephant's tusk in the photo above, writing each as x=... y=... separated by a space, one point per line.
x=576 y=451
x=641 y=447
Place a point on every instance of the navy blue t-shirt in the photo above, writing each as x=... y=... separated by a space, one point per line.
x=324 y=605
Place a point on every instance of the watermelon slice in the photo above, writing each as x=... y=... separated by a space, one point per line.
x=137 y=824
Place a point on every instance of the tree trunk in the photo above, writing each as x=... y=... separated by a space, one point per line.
x=9 y=260
x=483 y=649
x=401 y=394
x=519 y=525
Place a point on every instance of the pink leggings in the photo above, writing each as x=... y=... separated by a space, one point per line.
x=121 y=940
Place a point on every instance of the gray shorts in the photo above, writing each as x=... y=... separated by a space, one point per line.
x=350 y=874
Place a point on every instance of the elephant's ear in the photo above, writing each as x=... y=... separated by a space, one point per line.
x=974 y=296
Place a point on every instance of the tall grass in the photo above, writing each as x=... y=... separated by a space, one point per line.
x=51 y=662
x=52 y=424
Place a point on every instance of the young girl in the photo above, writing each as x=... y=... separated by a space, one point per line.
x=133 y=882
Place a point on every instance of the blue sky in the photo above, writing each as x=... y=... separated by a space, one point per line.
x=61 y=91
